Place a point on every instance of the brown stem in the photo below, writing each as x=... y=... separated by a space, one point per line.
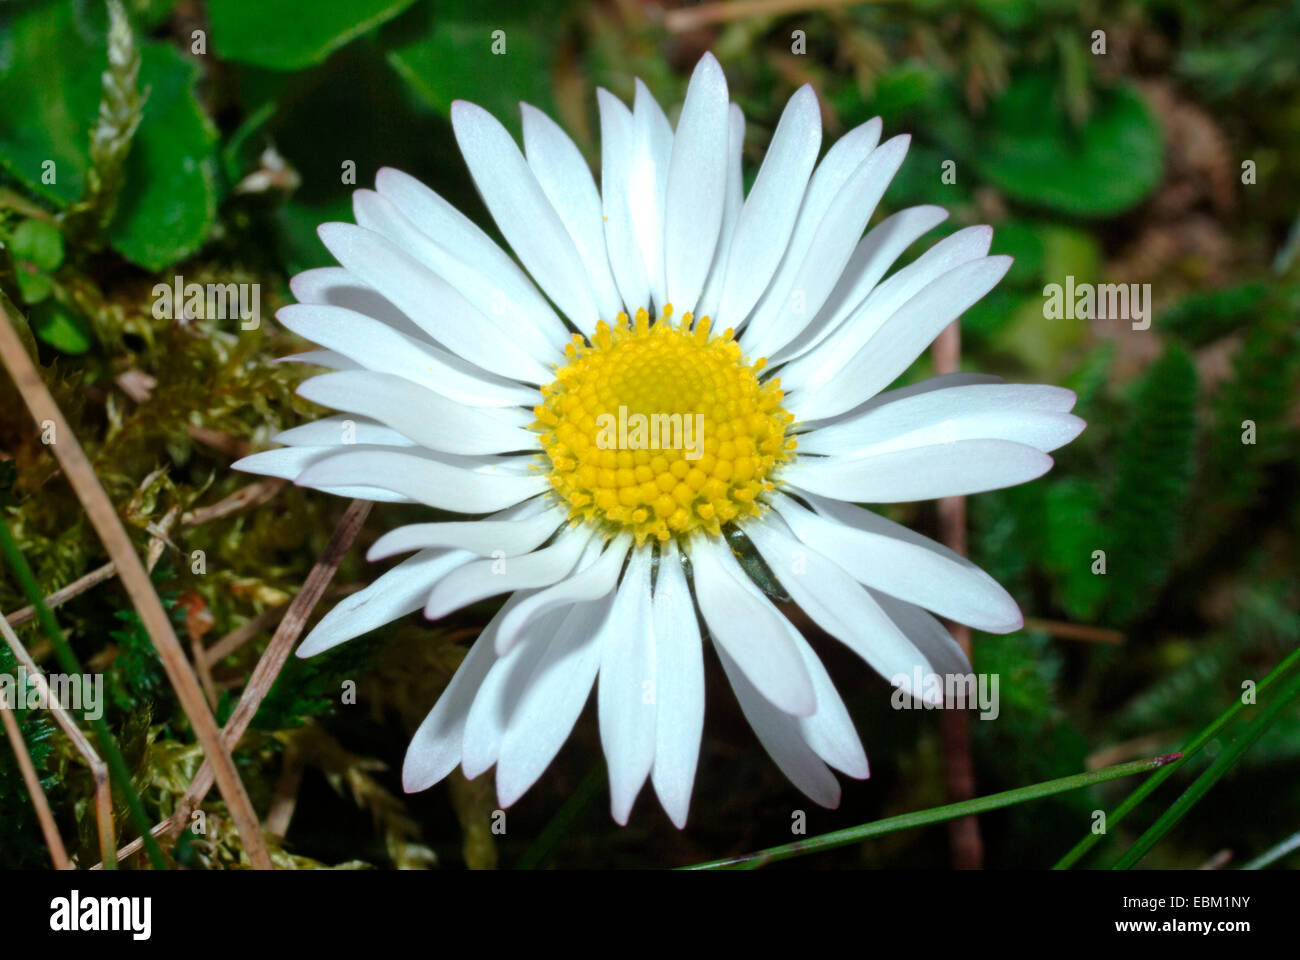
x=963 y=834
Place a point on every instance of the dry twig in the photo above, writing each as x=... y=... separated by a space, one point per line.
x=268 y=668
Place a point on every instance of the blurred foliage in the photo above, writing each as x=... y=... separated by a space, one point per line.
x=165 y=138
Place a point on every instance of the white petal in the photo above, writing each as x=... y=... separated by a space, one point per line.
x=874 y=254
x=321 y=358
x=626 y=694
x=940 y=382
x=697 y=185
x=374 y=345
x=400 y=591
x=648 y=181
x=617 y=147
x=592 y=583
x=520 y=208
x=784 y=314
x=750 y=629
x=891 y=558
x=487 y=578
x=431 y=420
x=435 y=750
x=430 y=301
x=782 y=739
x=845 y=156
x=865 y=320
x=502 y=690
x=931 y=637
x=1031 y=414
x=897 y=344
x=763 y=229
x=336 y=287
x=483 y=537
x=920 y=473
x=436 y=480
x=500 y=305
x=679 y=687
x=830 y=730
x=340 y=430
x=835 y=601
x=711 y=298
x=478 y=253
x=567 y=182
x=289 y=463
x=552 y=700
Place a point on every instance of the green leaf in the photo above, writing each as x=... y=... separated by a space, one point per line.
x=51 y=58
x=492 y=62
x=49 y=85
x=282 y=35
x=920 y=180
x=169 y=201
x=33 y=286
x=1032 y=151
x=61 y=328
x=39 y=243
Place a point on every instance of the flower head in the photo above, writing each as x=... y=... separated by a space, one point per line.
x=677 y=367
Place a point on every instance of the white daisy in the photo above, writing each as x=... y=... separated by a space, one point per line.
x=465 y=387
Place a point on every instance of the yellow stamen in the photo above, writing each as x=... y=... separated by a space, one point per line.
x=661 y=430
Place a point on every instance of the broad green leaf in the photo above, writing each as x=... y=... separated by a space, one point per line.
x=39 y=243
x=491 y=62
x=33 y=286
x=51 y=58
x=169 y=200
x=50 y=61
x=62 y=329
x=921 y=180
x=1030 y=150
x=286 y=35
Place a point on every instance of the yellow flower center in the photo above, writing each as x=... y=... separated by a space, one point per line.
x=661 y=429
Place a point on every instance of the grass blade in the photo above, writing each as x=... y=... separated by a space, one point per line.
x=1193 y=747
x=1201 y=786
x=951 y=811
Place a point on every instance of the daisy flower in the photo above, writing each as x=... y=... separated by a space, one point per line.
x=668 y=371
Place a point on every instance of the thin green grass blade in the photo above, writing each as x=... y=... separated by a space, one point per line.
x=1193 y=747
x=1202 y=784
x=952 y=811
